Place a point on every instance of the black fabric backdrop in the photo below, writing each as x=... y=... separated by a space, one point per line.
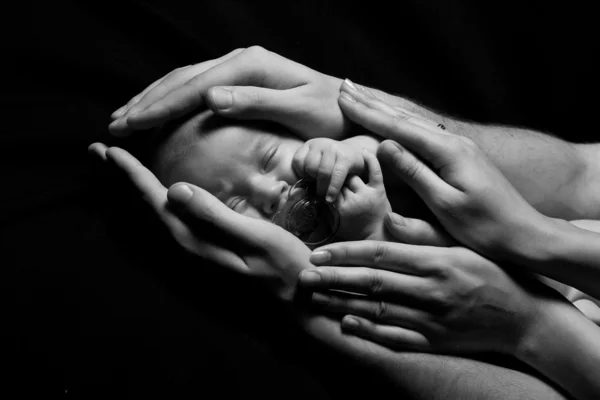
x=95 y=299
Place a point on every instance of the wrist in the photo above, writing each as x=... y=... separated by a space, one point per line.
x=534 y=244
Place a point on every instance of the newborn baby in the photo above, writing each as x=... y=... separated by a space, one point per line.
x=251 y=166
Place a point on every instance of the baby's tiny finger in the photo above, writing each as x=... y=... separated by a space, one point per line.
x=324 y=174
x=338 y=177
x=311 y=163
x=355 y=184
x=299 y=159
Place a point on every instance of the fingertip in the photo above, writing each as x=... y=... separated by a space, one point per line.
x=309 y=277
x=179 y=194
x=394 y=219
x=320 y=256
x=97 y=150
x=118 y=128
x=350 y=323
x=118 y=112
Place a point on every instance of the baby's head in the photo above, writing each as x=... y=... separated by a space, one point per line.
x=246 y=165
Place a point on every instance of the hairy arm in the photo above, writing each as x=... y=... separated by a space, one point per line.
x=558 y=178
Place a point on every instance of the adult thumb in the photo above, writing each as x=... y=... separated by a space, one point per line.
x=250 y=102
x=404 y=164
x=202 y=210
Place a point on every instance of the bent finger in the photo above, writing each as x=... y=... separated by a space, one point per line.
x=374 y=169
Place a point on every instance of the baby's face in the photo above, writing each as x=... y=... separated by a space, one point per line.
x=248 y=168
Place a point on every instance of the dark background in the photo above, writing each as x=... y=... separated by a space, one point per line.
x=95 y=300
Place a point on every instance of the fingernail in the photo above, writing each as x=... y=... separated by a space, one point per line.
x=349 y=323
x=180 y=193
x=309 y=277
x=320 y=257
x=222 y=98
x=350 y=84
x=346 y=95
x=329 y=198
x=119 y=112
x=319 y=298
x=396 y=219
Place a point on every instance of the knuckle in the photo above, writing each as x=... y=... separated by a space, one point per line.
x=256 y=51
x=379 y=253
x=381 y=310
x=375 y=282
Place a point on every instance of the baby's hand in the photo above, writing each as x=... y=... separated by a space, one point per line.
x=329 y=162
x=363 y=207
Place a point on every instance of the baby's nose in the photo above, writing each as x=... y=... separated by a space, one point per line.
x=272 y=196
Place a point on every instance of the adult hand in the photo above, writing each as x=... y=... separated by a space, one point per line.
x=470 y=197
x=251 y=83
x=204 y=226
x=424 y=297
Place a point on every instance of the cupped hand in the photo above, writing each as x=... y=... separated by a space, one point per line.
x=251 y=83
x=470 y=197
x=424 y=297
x=204 y=226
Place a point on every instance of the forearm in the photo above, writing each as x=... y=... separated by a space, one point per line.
x=563 y=251
x=431 y=376
x=565 y=347
x=558 y=178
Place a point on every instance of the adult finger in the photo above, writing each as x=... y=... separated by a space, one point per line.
x=98 y=151
x=174 y=80
x=390 y=336
x=398 y=257
x=589 y=309
x=428 y=143
x=419 y=176
x=135 y=99
x=369 y=98
x=379 y=310
x=240 y=70
x=252 y=103
x=198 y=207
x=372 y=282
x=417 y=231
